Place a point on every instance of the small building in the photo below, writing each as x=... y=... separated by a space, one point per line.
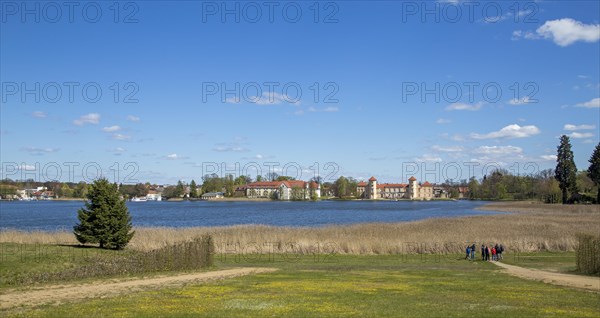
x=153 y=195
x=213 y=196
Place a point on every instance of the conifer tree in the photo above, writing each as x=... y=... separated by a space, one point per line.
x=105 y=219
x=566 y=171
x=193 y=190
x=594 y=170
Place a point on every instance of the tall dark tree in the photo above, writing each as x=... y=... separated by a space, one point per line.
x=179 y=189
x=566 y=171
x=105 y=219
x=594 y=170
x=193 y=189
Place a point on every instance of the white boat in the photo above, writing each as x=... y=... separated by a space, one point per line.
x=136 y=199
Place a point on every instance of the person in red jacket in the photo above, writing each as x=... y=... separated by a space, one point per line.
x=494 y=254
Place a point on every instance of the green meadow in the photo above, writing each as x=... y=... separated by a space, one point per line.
x=344 y=285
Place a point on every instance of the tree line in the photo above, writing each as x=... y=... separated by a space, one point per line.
x=563 y=184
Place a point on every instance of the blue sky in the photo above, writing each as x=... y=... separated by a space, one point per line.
x=501 y=83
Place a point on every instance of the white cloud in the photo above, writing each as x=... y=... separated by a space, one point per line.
x=455 y=137
x=111 y=128
x=463 y=106
x=428 y=158
x=230 y=149
x=121 y=137
x=39 y=151
x=521 y=101
x=267 y=98
x=593 y=103
x=38 y=114
x=447 y=149
x=91 y=118
x=27 y=167
x=330 y=109
x=516 y=35
x=133 y=118
x=548 y=157
x=579 y=127
x=172 y=156
x=510 y=131
x=117 y=151
x=577 y=135
x=443 y=121
x=498 y=150
x=455 y=2
x=233 y=100
x=565 y=32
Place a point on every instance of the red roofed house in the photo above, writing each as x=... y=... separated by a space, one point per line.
x=283 y=190
x=412 y=190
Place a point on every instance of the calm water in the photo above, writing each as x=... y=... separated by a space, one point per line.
x=62 y=215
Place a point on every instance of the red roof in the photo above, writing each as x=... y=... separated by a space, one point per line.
x=277 y=184
x=412 y=179
x=372 y=179
x=426 y=184
x=362 y=184
x=264 y=184
x=294 y=183
x=392 y=185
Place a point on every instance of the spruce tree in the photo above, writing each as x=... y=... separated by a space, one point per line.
x=193 y=190
x=594 y=170
x=105 y=219
x=566 y=171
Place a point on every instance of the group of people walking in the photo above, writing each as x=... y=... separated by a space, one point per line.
x=486 y=251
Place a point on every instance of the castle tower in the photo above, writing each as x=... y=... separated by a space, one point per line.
x=372 y=188
x=413 y=188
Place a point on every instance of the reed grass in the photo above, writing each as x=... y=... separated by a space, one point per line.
x=530 y=228
x=588 y=254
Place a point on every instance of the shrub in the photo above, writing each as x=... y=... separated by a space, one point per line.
x=588 y=254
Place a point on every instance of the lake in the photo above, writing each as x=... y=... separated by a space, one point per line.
x=62 y=215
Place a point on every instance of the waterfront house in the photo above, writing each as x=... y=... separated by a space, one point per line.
x=212 y=196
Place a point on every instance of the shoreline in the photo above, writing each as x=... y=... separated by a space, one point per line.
x=523 y=226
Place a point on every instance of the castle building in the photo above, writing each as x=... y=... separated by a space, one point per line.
x=283 y=190
x=411 y=190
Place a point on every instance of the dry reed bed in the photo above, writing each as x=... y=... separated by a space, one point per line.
x=535 y=227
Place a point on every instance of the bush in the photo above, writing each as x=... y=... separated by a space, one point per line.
x=588 y=254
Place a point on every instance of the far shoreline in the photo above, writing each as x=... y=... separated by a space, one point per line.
x=520 y=226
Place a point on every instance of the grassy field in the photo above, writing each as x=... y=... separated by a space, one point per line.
x=22 y=263
x=412 y=269
x=348 y=285
x=561 y=262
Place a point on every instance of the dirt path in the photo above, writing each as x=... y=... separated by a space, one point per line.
x=57 y=294
x=575 y=281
